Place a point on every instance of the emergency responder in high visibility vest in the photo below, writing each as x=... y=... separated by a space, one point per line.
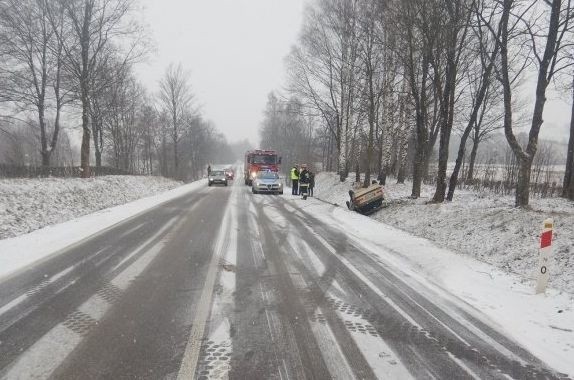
x=295 y=180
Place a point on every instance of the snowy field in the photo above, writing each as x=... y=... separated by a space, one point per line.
x=29 y=204
x=484 y=226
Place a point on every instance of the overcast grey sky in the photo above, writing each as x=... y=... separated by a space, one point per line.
x=233 y=49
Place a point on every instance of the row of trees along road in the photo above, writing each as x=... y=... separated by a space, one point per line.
x=383 y=82
x=74 y=60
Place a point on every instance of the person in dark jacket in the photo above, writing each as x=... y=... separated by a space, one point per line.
x=311 y=183
x=304 y=180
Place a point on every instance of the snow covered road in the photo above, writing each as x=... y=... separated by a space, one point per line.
x=220 y=283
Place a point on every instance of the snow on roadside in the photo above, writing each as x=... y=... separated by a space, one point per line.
x=29 y=204
x=484 y=226
x=21 y=251
x=543 y=324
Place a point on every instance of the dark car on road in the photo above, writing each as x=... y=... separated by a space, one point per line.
x=217 y=177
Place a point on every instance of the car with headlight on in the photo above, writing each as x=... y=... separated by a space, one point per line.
x=267 y=182
x=217 y=177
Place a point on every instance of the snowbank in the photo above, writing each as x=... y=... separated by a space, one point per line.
x=484 y=226
x=29 y=204
x=19 y=252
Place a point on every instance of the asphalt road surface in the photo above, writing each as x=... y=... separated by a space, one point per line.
x=221 y=283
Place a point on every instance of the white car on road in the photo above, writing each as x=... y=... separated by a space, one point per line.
x=267 y=182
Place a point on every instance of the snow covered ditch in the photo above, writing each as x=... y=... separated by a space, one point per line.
x=30 y=204
x=482 y=225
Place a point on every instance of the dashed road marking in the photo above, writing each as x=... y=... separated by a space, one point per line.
x=189 y=362
x=46 y=354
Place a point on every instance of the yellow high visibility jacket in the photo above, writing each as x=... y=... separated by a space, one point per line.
x=294 y=174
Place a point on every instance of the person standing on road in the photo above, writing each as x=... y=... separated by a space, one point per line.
x=311 y=183
x=294 y=180
x=208 y=169
x=304 y=179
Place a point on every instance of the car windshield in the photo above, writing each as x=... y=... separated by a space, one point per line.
x=264 y=159
x=216 y=173
x=267 y=175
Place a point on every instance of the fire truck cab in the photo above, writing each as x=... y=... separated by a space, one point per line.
x=260 y=160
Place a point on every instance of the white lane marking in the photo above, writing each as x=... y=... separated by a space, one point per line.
x=461 y=364
x=61 y=274
x=420 y=359
x=362 y=277
x=359 y=246
x=256 y=246
x=218 y=326
x=40 y=360
x=270 y=326
x=377 y=353
x=145 y=243
x=430 y=291
x=125 y=278
x=356 y=241
x=370 y=346
x=132 y=230
x=299 y=246
x=228 y=277
x=427 y=290
x=24 y=296
x=96 y=307
x=285 y=369
x=336 y=287
x=274 y=325
x=271 y=334
x=13 y=303
x=446 y=327
x=193 y=346
x=46 y=354
x=331 y=351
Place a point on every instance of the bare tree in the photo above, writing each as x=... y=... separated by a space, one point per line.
x=546 y=24
x=324 y=69
x=568 y=184
x=419 y=26
x=111 y=73
x=122 y=119
x=31 y=66
x=89 y=27
x=479 y=86
x=456 y=27
x=176 y=99
x=376 y=61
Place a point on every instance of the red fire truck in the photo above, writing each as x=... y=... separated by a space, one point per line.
x=260 y=160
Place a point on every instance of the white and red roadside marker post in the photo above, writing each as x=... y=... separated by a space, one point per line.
x=544 y=256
